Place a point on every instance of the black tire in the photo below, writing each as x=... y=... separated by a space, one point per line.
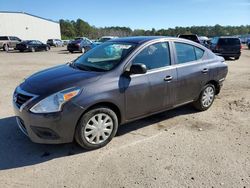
x=86 y=118
x=237 y=57
x=6 y=47
x=71 y=51
x=21 y=50
x=198 y=104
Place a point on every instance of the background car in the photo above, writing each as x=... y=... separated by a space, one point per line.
x=80 y=44
x=104 y=39
x=205 y=41
x=248 y=43
x=66 y=42
x=8 y=42
x=32 y=46
x=226 y=47
x=55 y=42
x=191 y=37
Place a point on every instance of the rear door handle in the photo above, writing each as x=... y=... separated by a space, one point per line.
x=205 y=70
x=168 y=78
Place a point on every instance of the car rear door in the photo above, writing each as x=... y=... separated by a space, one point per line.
x=153 y=91
x=40 y=46
x=192 y=71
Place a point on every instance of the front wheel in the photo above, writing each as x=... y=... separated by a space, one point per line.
x=32 y=49
x=47 y=48
x=206 y=98
x=96 y=128
x=6 y=48
x=237 y=57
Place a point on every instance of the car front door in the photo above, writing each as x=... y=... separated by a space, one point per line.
x=153 y=91
x=192 y=71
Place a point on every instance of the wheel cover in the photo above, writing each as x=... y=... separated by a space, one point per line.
x=98 y=128
x=208 y=96
x=83 y=50
x=6 y=48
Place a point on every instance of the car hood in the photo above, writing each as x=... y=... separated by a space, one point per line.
x=58 y=78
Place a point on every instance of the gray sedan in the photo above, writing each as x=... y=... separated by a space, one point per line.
x=119 y=81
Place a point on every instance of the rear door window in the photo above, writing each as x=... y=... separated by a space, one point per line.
x=187 y=53
x=199 y=53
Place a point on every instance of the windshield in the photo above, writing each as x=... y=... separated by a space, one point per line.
x=104 y=57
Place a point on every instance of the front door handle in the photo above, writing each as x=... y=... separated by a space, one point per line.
x=168 y=78
x=205 y=70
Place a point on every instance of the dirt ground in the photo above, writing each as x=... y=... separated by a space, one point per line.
x=178 y=148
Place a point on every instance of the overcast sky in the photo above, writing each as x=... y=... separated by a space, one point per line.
x=142 y=14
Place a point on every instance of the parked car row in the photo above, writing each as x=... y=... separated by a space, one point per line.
x=32 y=46
x=12 y=42
x=226 y=47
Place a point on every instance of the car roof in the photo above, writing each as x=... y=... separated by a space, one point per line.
x=143 y=39
x=228 y=37
x=137 y=39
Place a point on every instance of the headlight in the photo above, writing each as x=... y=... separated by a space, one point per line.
x=53 y=103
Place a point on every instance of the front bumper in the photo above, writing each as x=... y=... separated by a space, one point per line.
x=51 y=128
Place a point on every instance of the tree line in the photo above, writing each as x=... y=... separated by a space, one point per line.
x=71 y=29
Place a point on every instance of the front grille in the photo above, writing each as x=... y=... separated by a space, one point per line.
x=22 y=99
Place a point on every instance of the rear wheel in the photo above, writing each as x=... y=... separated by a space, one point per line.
x=237 y=57
x=206 y=98
x=96 y=128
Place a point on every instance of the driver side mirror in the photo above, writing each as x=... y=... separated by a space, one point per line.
x=138 y=68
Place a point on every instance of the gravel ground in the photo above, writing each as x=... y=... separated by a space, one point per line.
x=178 y=148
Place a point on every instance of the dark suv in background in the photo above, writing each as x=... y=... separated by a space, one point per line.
x=7 y=42
x=226 y=47
x=80 y=44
